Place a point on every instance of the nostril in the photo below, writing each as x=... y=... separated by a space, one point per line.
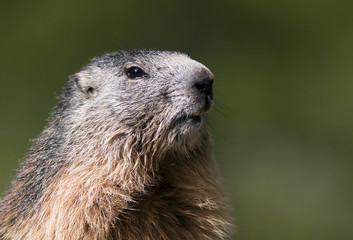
x=205 y=86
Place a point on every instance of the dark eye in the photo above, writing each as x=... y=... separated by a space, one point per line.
x=135 y=73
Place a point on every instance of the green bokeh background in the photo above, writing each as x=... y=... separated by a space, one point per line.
x=283 y=120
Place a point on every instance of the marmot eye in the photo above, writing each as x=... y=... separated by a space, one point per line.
x=135 y=73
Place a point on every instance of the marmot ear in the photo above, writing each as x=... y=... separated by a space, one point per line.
x=84 y=82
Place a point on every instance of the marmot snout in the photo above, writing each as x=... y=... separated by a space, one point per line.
x=126 y=155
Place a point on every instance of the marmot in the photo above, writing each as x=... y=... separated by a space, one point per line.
x=126 y=155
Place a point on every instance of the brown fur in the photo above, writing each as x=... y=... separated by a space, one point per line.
x=114 y=181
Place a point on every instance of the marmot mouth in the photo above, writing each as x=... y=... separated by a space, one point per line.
x=193 y=118
x=186 y=119
x=200 y=111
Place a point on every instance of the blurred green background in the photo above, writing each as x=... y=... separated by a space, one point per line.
x=283 y=120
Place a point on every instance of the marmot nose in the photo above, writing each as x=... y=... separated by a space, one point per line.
x=204 y=86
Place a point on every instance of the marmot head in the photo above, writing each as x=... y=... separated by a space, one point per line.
x=149 y=95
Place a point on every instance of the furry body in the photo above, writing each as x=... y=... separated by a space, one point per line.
x=123 y=158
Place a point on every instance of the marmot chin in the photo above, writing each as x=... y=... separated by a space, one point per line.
x=126 y=155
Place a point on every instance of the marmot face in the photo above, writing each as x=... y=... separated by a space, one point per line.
x=156 y=93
